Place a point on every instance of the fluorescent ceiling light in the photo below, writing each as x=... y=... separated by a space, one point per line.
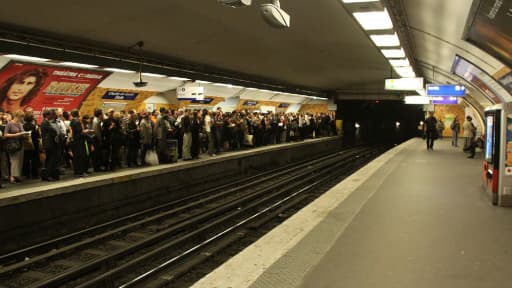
x=27 y=58
x=359 y=1
x=377 y=20
x=78 y=65
x=119 y=70
x=407 y=74
x=399 y=62
x=387 y=40
x=179 y=78
x=154 y=75
x=393 y=53
x=203 y=82
x=417 y=100
x=404 y=69
x=422 y=92
x=250 y=88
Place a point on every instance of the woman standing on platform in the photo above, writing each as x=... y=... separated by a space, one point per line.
x=13 y=133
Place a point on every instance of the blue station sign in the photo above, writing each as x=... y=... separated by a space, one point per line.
x=446 y=90
x=446 y=100
x=117 y=95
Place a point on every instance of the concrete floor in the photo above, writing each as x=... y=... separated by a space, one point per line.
x=428 y=224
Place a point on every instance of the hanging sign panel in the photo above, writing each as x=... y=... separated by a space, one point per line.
x=404 y=84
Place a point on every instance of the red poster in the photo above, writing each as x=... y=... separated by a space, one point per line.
x=37 y=87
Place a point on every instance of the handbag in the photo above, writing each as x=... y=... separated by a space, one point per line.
x=13 y=146
x=151 y=158
x=28 y=144
x=248 y=140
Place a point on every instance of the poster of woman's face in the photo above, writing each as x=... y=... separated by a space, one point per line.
x=19 y=89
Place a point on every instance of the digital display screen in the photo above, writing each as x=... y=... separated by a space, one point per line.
x=489 y=137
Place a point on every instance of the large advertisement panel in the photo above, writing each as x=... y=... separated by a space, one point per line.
x=489 y=86
x=491 y=28
x=33 y=86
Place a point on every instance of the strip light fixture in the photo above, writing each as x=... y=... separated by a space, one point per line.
x=374 y=18
x=81 y=65
x=119 y=70
x=27 y=58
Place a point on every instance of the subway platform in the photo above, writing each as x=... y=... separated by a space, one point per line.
x=411 y=218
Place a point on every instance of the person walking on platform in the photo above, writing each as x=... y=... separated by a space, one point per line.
x=469 y=136
x=186 y=123
x=430 y=130
x=455 y=126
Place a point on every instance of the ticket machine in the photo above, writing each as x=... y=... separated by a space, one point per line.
x=497 y=165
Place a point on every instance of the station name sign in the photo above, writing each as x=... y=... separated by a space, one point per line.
x=446 y=100
x=116 y=95
x=446 y=90
x=404 y=84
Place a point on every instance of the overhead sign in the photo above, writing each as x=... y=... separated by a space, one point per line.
x=446 y=90
x=446 y=100
x=404 y=84
x=116 y=95
x=417 y=100
x=250 y=103
x=190 y=92
x=204 y=101
x=45 y=86
x=283 y=105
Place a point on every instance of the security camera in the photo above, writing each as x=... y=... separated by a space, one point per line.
x=235 y=3
x=274 y=15
x=140 y=84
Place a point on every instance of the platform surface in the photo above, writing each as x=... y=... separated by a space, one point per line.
x=35 y=189
x=411 y=218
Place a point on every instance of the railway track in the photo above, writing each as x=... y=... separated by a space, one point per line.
x=154 y=247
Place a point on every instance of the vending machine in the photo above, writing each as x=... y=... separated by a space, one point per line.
x=497 y=164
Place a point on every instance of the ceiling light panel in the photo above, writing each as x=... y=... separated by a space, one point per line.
x=359 y=1
x=386 y=40
x=154 y=75
x=376 y=20
x=26 y=58
x=119 y=70
x=393 y=53
x=81 y=65
x=399 y=62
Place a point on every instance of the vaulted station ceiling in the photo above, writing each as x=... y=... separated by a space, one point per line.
x=325 y=50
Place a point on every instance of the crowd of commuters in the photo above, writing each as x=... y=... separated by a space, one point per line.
x=109 y=140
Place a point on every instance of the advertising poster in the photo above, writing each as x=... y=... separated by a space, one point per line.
x=482 y=81
x=491 y=29
x=508 y=160
x=25 y=86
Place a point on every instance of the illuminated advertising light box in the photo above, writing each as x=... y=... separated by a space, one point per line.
x=446 y=100
x=404 y=84
x=490 y=28
x=45 y=86
x=446 y=90
x=491 y=88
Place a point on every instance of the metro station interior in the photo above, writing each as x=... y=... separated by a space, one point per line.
x=256 y=143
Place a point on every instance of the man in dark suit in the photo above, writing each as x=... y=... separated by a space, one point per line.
x=49 y=136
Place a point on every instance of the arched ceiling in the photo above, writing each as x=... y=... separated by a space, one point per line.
x=324 y=50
